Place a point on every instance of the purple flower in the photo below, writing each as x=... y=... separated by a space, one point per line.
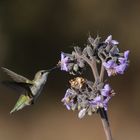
x=110 y=66
x=114 y=68
x=68 y=99
x=105 y=102
x=123 y=63
x=67 y=95
x=110 y=41
x=63 y=62
x=121 y=68
x=106 y=91
x=68 y=106
x=99 y=101
x=124 y=59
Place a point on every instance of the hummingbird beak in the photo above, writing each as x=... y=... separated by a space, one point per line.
x=52 y=69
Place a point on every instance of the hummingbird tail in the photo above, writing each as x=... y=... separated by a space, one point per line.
x=21 y=103
x=13 y=110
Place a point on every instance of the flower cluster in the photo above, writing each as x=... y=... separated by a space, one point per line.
x=109 y=55
x=70 y=64
x=115 y=62
x=86 y=96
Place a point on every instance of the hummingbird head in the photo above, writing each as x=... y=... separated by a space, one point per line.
x=42 y=74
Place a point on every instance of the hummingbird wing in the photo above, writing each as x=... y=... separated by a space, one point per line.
x=23 y=101
x=19 y=86
x=16 y=77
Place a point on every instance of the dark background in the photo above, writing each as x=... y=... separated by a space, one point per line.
x=32 y=35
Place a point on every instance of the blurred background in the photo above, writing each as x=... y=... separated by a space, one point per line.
x=32 y=35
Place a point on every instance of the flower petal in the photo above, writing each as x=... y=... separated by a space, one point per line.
x=82 y=113
x=64 y=61
x=110 y=41
x=106 y=90
x=114 y=42
x=121 y=68
x=109 y=38
x=126 y=53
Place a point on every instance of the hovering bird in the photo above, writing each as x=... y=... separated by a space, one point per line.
x=31 y=88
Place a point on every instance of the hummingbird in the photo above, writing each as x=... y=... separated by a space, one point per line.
x=31 y=89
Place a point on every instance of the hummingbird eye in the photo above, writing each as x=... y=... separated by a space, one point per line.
x=42 y=72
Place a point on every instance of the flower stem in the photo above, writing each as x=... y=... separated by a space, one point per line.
x=92 y=64
x=102 y=73
x=99 y=78
x=105 y=122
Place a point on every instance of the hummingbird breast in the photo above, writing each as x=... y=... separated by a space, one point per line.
x=37 y=87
